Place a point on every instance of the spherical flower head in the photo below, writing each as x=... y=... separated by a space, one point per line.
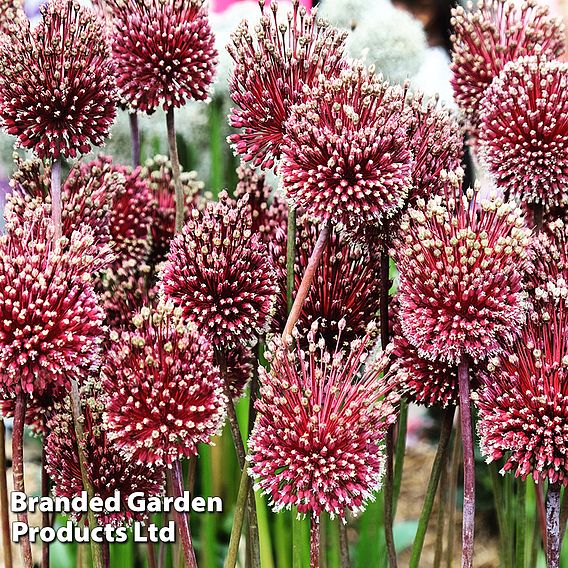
x=522 y=402
x=108 y=469
x=57 y=91
x=318 y=439
x=219 y=274
x=10 y=14
x=164 y=52
x=523 y=139
x=267 y=208
x=87 y=196
x=51 y=324
x=271 y=67
x=488 y=38
x=346 y=158
x=157 y=174
x=461 y=270
x=163 y=394
x=345 y=287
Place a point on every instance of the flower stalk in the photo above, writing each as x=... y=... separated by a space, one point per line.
x=176 y=169
x=135 y=138
x=5 y=519
x=553 y=526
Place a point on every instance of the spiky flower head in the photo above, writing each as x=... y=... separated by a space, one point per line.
x=271 y=67
x=108 y=469
x=57 y=90
x=157 y=174
x=461 y=270
x=163 y=394
x=50 y=321
x=317 y=441
x=522 y=402
x=345 y=287
x=268 y=209
x=523 y=138
x=486 y=39
x=346 y=157
x=164 y=52
x=219 y=275
x=10 y=13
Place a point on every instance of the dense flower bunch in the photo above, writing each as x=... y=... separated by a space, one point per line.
x=157 y=173
x=271 y=69
x=523 y=138
x=268 y=209
x=218 y=273
x=522 y=403
x=164 y=52
x=10 y=12
x=461 y=270
x=50 y=321
x=345 y=287
x=486 y=39
x=107 y=469
x=163 y=394
x=56 y=93
x=346 y=157
x=317 y=442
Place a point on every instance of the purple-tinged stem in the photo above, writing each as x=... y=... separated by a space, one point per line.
x=5 y=519
x=18 y=472
x=45 y=517
x=56 y=198
x=182 y=519
x=314 y=543
x=468 y=465
x=307 y=280
x=176 y=169
x=106 y=554
x=553 y=526
x=135 y=137
x=344 y=561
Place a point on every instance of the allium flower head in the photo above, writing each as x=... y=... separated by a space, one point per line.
x=218 y=273
x=164 y=52
x=461 y=269
x=522 y=403
x=347 y=156
x=57 y=91
x=50 y=321
x=271 y=68
x=321 y=422
x=163 y=394
x=345 y=287
x=10 y=13
x=486 y=39
x=107 y=468
x=523 y=137
x=268 y=209
x=158 y=175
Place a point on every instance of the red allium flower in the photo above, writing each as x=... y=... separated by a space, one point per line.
x=461 y=270
x=107 y=468
x=218 y=273
x=346 y=157
x=267 y=208
x=10 y=13
x=345 y=287
x=50 y=321
x=57 y=91
x=523 y=137
x=271 y=69
x=522 y=402
x=164 y=52
x=240 y=362
x=317 y=442
x=486 y=39
x=157 y=173
x=131 y=217
x=124 y=289
x=86 y=195
x=163 y=394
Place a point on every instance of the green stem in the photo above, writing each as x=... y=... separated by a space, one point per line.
x=400 y=450
x=500 y=508
x=442 y=504
x=521 y=524
x=454 y=470
x=238 y=519
x=176 y=169
x=439 y=463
